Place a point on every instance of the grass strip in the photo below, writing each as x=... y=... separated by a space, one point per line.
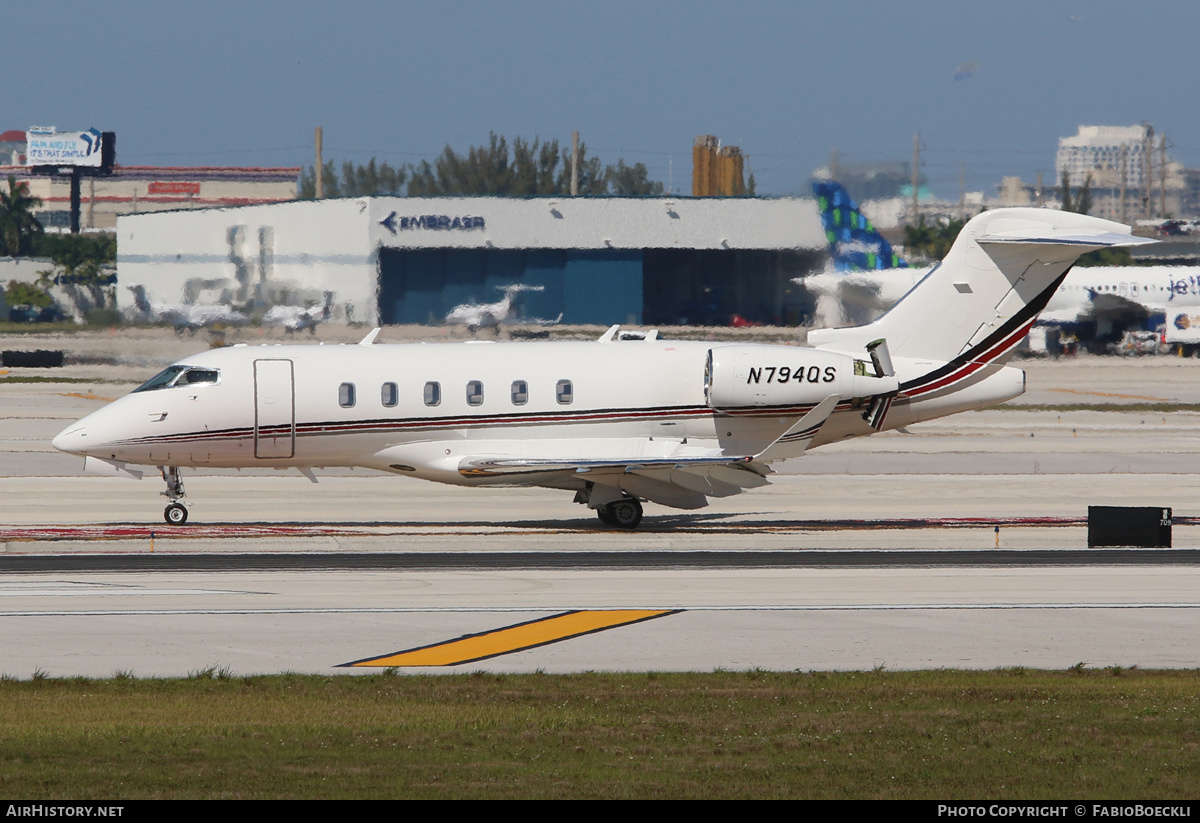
x=1011 y=734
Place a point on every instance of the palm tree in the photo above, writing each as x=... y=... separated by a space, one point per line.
x=18 y=226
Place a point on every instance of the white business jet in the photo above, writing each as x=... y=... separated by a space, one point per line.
x=299 y=318
x=185 y=316
x=477 y=316
x=616 y=422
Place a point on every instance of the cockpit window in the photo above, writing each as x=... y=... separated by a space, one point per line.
x=180 y=376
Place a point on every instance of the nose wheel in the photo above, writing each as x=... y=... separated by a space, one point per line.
x=176 y=513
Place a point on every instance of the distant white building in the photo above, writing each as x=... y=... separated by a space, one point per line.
x=1128 y=171
x=1100 y=152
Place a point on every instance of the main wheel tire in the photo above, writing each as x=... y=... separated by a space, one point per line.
x=606 y=516
x=626 y=513
x=176 y=514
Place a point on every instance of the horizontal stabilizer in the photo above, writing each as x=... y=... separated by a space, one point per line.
x=1067 y=237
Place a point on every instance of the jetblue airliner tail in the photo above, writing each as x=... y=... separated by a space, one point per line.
x=854 y=244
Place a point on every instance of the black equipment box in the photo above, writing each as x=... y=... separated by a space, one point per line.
x=1143 y=526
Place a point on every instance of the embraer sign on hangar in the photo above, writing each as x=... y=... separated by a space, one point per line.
x=441 y=222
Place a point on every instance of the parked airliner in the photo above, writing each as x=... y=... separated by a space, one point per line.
x=616 y=422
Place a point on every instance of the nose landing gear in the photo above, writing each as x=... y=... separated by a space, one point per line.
x=176 y=513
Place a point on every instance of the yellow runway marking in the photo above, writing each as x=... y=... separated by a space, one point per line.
x=1110 y=394
x=474 y=647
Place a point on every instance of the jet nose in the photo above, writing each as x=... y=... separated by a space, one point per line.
x=72 y=439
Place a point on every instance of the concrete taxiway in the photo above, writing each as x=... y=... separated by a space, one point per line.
x=169 y=623
x=1095 y=431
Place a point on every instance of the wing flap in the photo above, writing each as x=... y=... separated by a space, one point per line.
x=487 y=466
x=681 y=483
x=713 y=481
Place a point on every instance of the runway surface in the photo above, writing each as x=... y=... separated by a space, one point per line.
x=899 y=617
x=879 y=552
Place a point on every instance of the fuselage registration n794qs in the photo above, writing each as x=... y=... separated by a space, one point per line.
x=618 y=421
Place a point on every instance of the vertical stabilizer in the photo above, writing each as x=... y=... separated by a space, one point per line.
x=982 y=299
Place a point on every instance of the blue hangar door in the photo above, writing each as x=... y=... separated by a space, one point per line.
x=584 y=286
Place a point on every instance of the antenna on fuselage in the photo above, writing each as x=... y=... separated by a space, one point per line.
x=370 y=338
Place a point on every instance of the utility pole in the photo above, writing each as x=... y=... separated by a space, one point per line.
x=574 y=164
x=1041 y=196
x=320 y=192
x=1124 y=175
x=916 y=171
x=75 y=177
x=834 y=170
x=1147 y=175
x=1162 y=175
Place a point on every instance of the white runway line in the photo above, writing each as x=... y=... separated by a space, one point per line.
x=889 y=607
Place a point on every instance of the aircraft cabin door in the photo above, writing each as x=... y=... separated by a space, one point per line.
x=274 y=409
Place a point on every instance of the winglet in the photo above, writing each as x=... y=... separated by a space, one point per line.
x=808 y=426
x=370 y=338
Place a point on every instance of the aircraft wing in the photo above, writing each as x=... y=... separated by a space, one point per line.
x=1100 y=304
x=1115 y=304
x=681 y=481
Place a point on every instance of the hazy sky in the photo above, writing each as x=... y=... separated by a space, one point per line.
x=244 y=83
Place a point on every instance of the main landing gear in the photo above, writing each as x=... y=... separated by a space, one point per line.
x=625 y=513
x=176 y=513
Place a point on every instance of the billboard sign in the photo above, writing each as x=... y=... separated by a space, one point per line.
x=46 y=147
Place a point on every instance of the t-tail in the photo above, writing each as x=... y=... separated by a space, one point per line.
x=980 y=301
x=952 y=333
x=854 y=244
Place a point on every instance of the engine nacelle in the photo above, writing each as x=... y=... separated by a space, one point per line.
x=752 y=375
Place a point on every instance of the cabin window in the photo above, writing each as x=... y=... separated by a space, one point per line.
x=474 y=393
x=520 y=392
x=389 y=394
x=346 y=395
x=433 y=393
x=564 y=392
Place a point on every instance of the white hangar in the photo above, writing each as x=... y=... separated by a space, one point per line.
x=661 y=260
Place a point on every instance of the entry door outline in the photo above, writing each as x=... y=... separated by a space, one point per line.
x=274 y=407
